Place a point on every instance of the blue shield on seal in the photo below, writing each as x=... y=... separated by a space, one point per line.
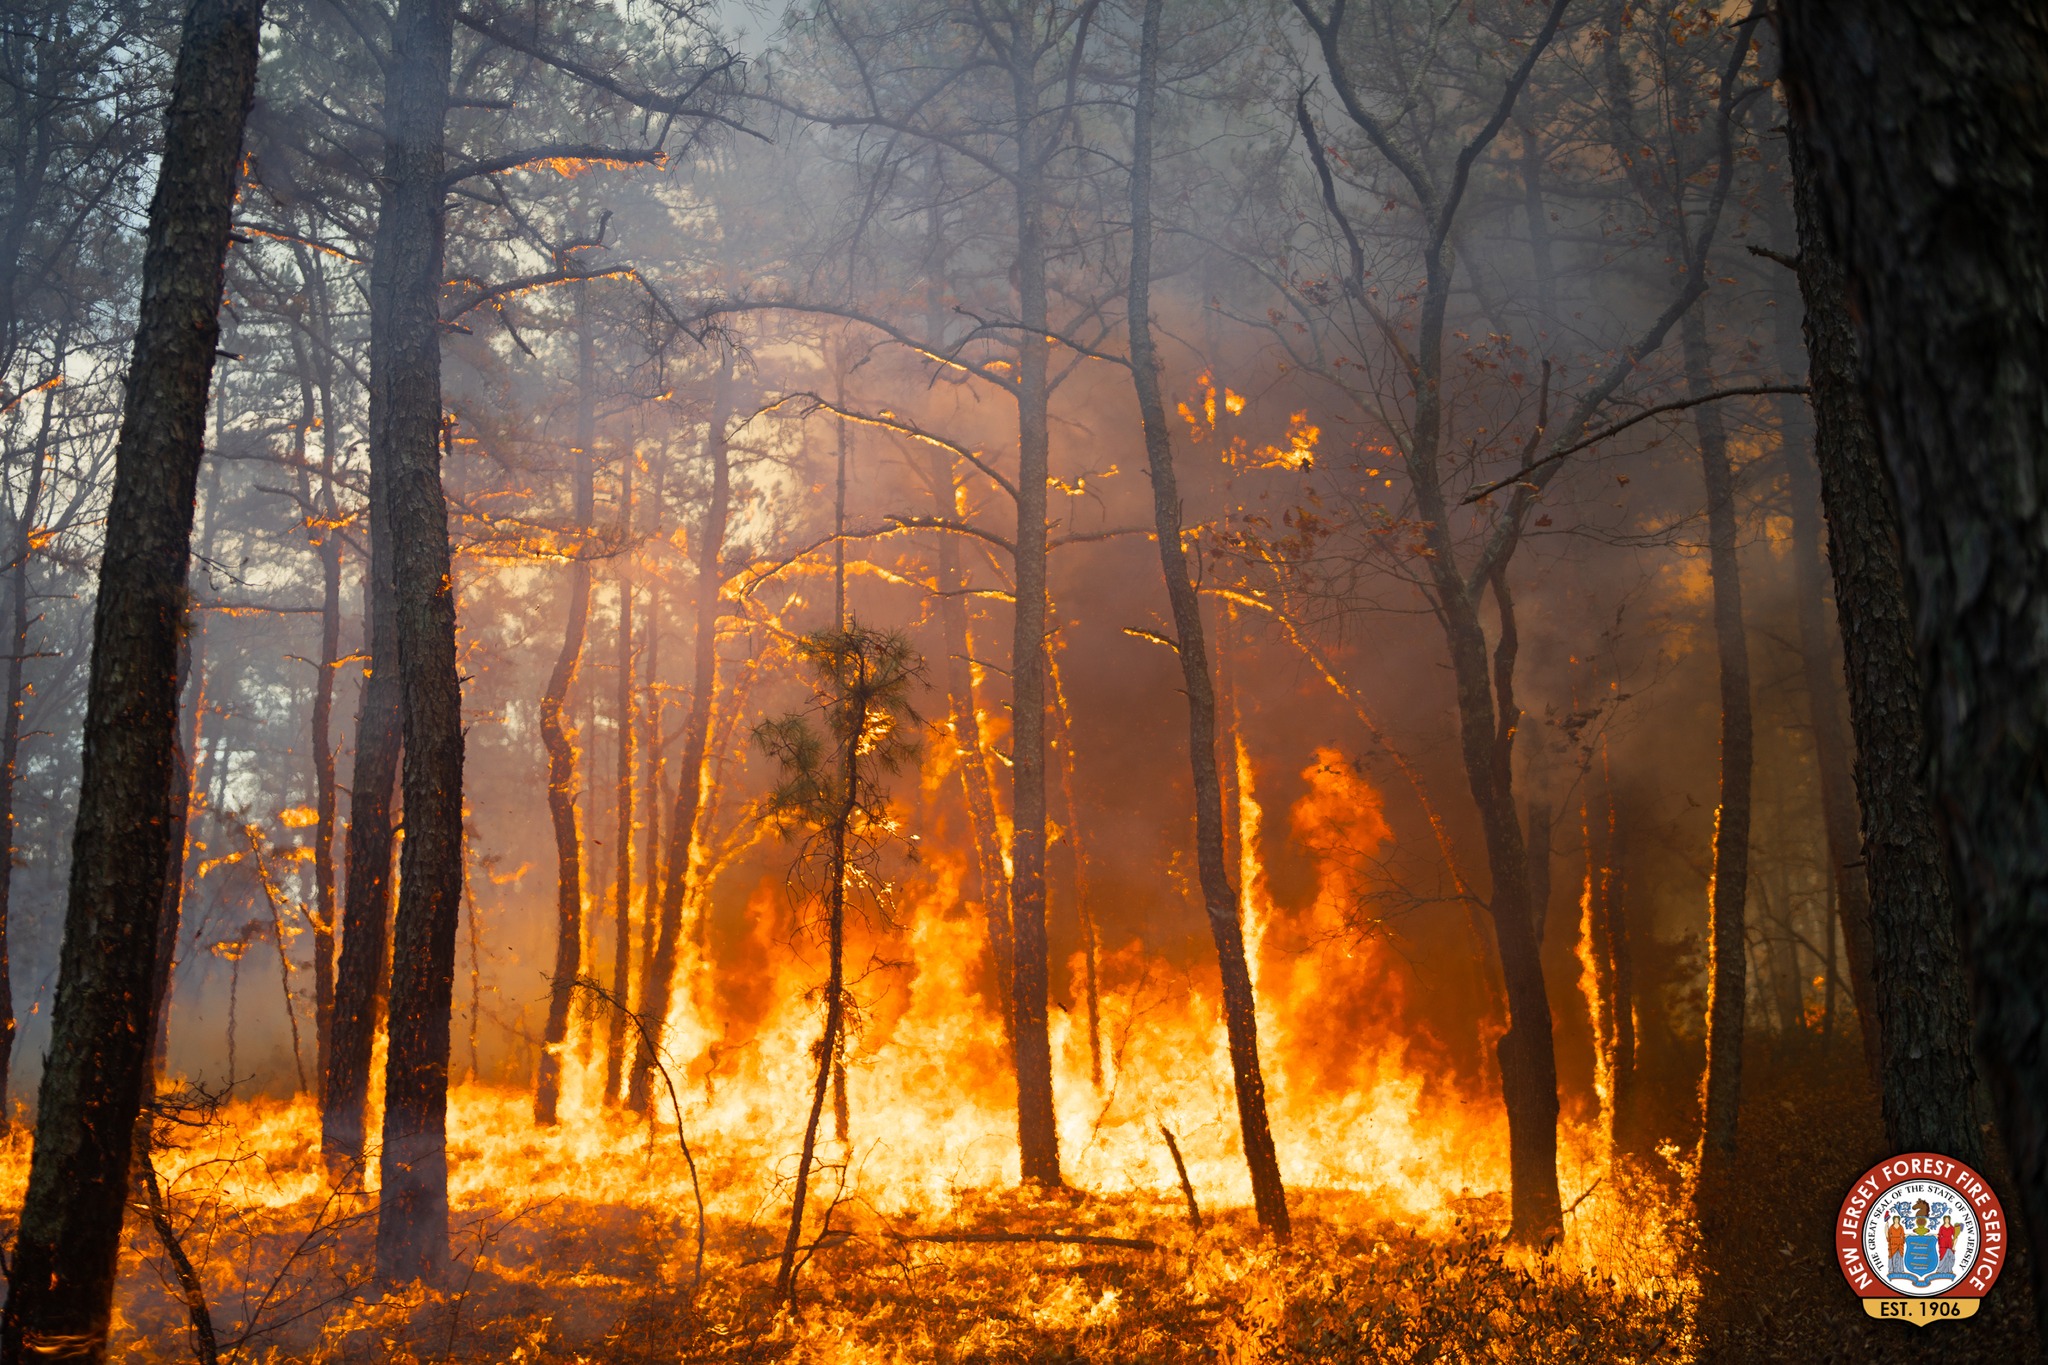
x=1922 y=1260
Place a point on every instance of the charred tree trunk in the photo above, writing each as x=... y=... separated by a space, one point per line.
x=1219 y=897
x=1038 y=1139
x=561 y=744
x=658 y=985
x=622 y=796
x=15 y=701
x=61 y=1277
x=1488 y=721
x=412 y=1215
x=1920 y=1015
x=1728 y=978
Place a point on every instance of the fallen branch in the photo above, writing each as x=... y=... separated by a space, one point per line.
x=1060 y=1238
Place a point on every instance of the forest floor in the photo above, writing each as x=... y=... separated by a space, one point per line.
x=561 y=1283
x=553 y=1267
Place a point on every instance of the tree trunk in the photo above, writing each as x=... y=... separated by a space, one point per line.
x=363 y=972
x=412 y=1214
x=830 y=1044
x=1622 y=1132
x=658 y=985
x=975 y=785
x=61 y=1277
x=1077 y=874
x=1219 y=897
x=324 y=795
x=15 y=701
x=1038 y=1139
x=326 y=542
x=561 y=746
x=1596 y=931
x=656 y=708
x=1526 y=1052
x=1920 y=1015
x=622 y=796
x=1729 y=953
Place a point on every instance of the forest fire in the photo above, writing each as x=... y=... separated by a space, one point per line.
x=1020 y=681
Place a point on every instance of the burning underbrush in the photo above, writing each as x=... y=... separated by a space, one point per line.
x=604 y=1237
x=582 y=1243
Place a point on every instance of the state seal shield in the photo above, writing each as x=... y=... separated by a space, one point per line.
x=1921 y=1237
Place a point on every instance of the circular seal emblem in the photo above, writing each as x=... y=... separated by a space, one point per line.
x=1921 y=1238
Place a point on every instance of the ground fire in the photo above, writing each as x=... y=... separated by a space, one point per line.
x=992 y=681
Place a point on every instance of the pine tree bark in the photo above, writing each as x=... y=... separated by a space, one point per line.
x=1920 y=1011
x=412 y=1214
x=1219 y=896
x=561 y=747
x=658 y=984
x=1728 y=949
x=61 y=1277
x=1038 y=1140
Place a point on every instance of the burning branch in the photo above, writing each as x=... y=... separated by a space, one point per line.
x=557 y=156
